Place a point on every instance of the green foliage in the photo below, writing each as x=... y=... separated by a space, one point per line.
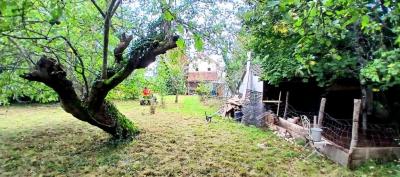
x=15 y=89
x=170 y=77
x=198 y=42
x=385 y=70
x=168 y=16
x=180 y=43
x=235 y=68
x=203 y=89
x=325 y=40
x=130 y=88
x=46 y=20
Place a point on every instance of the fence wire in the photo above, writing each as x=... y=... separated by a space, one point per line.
x=339 y=131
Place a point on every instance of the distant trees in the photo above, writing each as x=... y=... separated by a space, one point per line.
x=131 y=88
x=171 y=76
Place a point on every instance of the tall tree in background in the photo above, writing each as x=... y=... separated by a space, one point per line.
x=170 y=78
x=175 y=63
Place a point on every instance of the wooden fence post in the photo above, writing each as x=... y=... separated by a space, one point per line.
x=279 y=103
x=321 y=112
x=315 y=122
x=356 y=117
x=286 y=105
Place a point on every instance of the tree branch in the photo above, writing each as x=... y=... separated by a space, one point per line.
x=115 y=7
x=98 y=8
x=140 y=57
x=123 y=44
x=23 y=37
x=51 y=73
x=107 y=22
x=22 y=51
x=75 y=51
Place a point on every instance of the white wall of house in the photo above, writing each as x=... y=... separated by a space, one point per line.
x=202 y=66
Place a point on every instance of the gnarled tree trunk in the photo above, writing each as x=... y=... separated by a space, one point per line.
x=94 y=109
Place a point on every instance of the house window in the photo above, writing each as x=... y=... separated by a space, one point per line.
x=197 y=69
x=209 y=69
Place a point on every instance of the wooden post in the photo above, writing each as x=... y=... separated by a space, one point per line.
x=286 y=105
x=321 y=112
x=356 y=117
x=315 y=122
x=279 y=103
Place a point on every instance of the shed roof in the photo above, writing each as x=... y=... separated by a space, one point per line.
x=202 y=76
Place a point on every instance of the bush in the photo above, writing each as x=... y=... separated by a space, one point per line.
x=203 y=90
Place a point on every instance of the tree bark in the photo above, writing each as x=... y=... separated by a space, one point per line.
x=106 y=117
x=176 y=97
x=162 y=101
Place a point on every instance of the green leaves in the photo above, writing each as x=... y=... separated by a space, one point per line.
x=170 y=76
x=198 y=42
x=180 y=43
x=321 y=38
x=364 y=21
x=384 y=70
x=203 y=89
x=180 y=29
x=56 y=11
x=168 y=15
x=298 y=22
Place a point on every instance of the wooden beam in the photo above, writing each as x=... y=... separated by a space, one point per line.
x=279 y=103
x=286 y=105
x=356 y=117
x=271 y=101
x=315 y=124
x=321 y=111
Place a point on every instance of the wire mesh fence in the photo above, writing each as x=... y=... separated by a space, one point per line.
x=339 y=131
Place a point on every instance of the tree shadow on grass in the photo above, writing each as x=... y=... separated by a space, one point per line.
x=59 y=149
x=108 y=144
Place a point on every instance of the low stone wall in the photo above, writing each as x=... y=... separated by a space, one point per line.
x=360 y=155
x=335 y=153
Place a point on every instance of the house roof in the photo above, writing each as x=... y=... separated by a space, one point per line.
x=202 y=76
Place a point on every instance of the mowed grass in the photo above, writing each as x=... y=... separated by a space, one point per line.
x=38 y=140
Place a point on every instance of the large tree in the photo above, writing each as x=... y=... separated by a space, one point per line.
x=20 y=22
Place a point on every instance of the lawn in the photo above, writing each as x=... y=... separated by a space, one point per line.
x=43 y=140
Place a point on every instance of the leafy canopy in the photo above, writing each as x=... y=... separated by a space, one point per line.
x=326 y=40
